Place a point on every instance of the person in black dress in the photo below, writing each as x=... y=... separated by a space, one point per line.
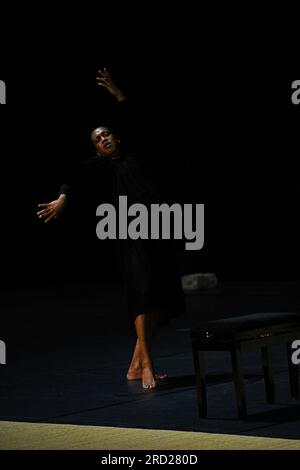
x=148 y=267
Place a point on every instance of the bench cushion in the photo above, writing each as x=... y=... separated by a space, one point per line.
x=244 y=323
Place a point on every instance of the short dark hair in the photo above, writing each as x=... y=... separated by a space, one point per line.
x=109 y=128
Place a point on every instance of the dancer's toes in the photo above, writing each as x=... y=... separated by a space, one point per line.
x=149 y=386
x=148 y=380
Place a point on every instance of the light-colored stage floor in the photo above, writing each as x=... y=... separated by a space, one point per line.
x=36 y=436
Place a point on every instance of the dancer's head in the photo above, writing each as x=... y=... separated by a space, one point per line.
x=107 y=144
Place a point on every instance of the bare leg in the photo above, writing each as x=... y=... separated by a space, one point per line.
x=135 y=368
x=142 y=331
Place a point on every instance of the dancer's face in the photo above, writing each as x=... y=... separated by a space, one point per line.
x=106 y=142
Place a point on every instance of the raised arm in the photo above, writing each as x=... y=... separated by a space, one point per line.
x=128 y=113
x=104 y=80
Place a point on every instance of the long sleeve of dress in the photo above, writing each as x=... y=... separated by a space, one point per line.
x=88 y=179
x=130 y=125
x=65 y=189
x=73 y=181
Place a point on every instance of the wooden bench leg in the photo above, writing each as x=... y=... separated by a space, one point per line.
x=200 y=382
x=236 y=360
x=293 y=373
x=266 y=354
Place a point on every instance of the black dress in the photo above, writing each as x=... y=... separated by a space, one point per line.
x=148 y=267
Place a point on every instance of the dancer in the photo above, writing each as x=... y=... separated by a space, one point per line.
x=150 y=274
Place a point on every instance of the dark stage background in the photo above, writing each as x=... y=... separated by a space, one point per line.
x=215 y=120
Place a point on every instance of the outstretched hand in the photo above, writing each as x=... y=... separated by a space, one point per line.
x=51 y=210
x=104 y=79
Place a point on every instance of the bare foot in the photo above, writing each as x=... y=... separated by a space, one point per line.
x=136 y=374
x=148 y=380
x=160 y=375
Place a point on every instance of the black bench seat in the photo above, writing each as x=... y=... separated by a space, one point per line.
x=234 y=333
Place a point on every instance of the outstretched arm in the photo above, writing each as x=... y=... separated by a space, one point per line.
x=79 y=183
x=52 y=210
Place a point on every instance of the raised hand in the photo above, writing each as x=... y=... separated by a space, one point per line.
x=104 y=79
x=52 y=210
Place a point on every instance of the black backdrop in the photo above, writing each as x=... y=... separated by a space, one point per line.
x=217 y=124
